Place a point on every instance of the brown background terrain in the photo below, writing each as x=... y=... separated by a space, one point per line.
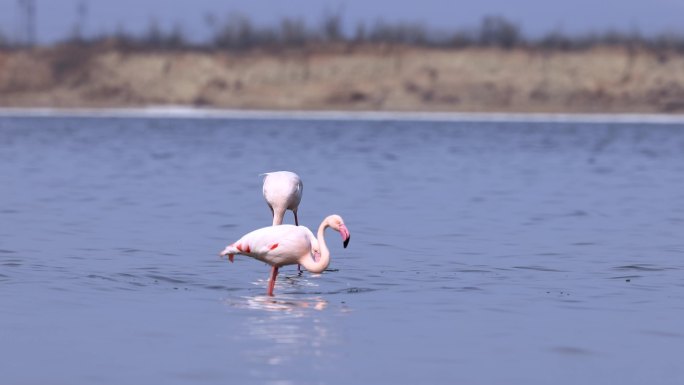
x=608 y=79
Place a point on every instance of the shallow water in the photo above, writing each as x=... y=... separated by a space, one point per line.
x=481 y=253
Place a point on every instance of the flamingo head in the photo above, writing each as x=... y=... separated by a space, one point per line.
x=337 y=223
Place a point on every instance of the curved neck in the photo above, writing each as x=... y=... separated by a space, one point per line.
x=320 y=265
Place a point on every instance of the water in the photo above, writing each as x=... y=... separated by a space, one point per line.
x=481 y=253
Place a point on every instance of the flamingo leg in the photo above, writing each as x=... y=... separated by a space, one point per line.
x=272 y=279
x=299 y=267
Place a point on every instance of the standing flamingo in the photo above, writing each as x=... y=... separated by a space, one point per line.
x=282 y=191
x=287 y=245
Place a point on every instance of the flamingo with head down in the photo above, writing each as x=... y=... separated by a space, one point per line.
x=288 y=245
x=282 y=191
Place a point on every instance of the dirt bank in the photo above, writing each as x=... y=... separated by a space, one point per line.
x=598 y=80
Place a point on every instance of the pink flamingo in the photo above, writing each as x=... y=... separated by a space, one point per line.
x=287 y=245
x=282 y=191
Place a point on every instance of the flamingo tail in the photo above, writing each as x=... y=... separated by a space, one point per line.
x=230 y=251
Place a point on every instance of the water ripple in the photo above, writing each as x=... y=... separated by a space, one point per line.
x=538 y=268
x=642 y=267
x=102 y=277
x=12 y=262
x=571 y=351
x=164 y=278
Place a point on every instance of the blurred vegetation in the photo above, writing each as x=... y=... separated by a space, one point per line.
x=237 y=32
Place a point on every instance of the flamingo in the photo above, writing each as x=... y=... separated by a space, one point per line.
x=282 y=191
x=287 y=245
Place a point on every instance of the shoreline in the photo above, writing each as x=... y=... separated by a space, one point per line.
x=190 y=112
x=450 y=83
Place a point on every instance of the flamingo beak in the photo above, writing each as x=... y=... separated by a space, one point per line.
x=345 y=235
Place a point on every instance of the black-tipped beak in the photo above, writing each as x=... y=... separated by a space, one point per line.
x=345 y=235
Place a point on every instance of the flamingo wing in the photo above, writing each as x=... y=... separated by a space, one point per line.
x=275 y=245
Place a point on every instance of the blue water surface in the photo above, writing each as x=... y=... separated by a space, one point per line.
x=481 y=253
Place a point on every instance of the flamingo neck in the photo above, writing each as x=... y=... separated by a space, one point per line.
x=278 y=217
x=320 y=265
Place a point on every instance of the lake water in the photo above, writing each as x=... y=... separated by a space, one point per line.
x=481 y=253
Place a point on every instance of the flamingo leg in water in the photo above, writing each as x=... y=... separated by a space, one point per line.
x=272 y=279
x=299 y=267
